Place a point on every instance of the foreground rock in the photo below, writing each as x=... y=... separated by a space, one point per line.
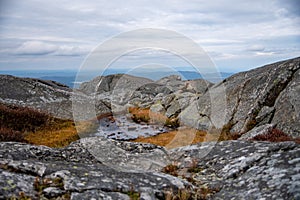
x=38 y=171
x=246 y=170
x=229 y=170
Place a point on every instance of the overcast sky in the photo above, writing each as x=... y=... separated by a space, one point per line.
x=59 y=34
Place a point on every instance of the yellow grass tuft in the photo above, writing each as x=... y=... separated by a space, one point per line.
x=145 y=115
x=178 y=138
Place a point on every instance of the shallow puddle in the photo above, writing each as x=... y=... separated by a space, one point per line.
x=123 y=128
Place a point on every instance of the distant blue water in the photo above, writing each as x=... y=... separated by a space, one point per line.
x=68 y=77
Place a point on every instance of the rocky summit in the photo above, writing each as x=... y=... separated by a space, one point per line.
x=260 y=104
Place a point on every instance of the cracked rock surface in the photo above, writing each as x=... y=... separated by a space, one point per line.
x=265 y=95
x=37 y=171
x=245 y=170
x=228 y=170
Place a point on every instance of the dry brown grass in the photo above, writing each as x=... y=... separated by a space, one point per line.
x=87 y=127
x=178 y=138
x=139 y=114
x=23 y=124
x=145 y=115
x=62 y=135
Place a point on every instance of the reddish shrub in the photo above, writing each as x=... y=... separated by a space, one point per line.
x=15 y=121
x=22 y=118
x=275 y=135
x=11 y=135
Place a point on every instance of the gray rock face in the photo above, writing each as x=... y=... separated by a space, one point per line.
x=260 y=130
x=269 y=94
x=104 y=94
x=39 y=171
x=118 y=92
x=109 y=83
x=244 y=170
x=198 y=86
x=43 y=95
x=287 y=106
x=226 y=170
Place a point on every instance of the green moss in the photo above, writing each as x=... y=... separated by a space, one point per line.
x=133 y=195
x=194 y=170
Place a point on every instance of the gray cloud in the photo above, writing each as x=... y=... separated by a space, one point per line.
x=39 y=48
x=35 y=48
x=256 y=47
x=230 y=30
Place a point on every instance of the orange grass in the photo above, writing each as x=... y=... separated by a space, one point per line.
x=145 y=115
x=139 y=114
x=178 y=138
x=59 y=136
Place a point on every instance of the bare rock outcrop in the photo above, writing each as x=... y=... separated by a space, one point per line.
x=265 y=95
x=39 y=94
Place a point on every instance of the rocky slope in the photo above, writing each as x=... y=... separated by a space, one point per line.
x=39 y=94
x=266 y=95
x=44 y=95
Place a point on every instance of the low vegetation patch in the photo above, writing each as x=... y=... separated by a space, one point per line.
x=22 y=118
x=59 y=135
x=179 y=137
x=199 y=191
x=42 y=183
x=22 y=124
x=133 y=195
x=7 y=134
x=275 y=135
x=139 y=115
x=171 y=169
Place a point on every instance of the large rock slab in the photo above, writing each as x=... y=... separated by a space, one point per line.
x=39 y=94
x=109 y=83
x=225 y=170
x=243 y=170
x=34 y=170
x=269 y=94
x=46 y=96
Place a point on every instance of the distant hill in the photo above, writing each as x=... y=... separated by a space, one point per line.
x=69 y=77
x=67 y=80
x=212 y=77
